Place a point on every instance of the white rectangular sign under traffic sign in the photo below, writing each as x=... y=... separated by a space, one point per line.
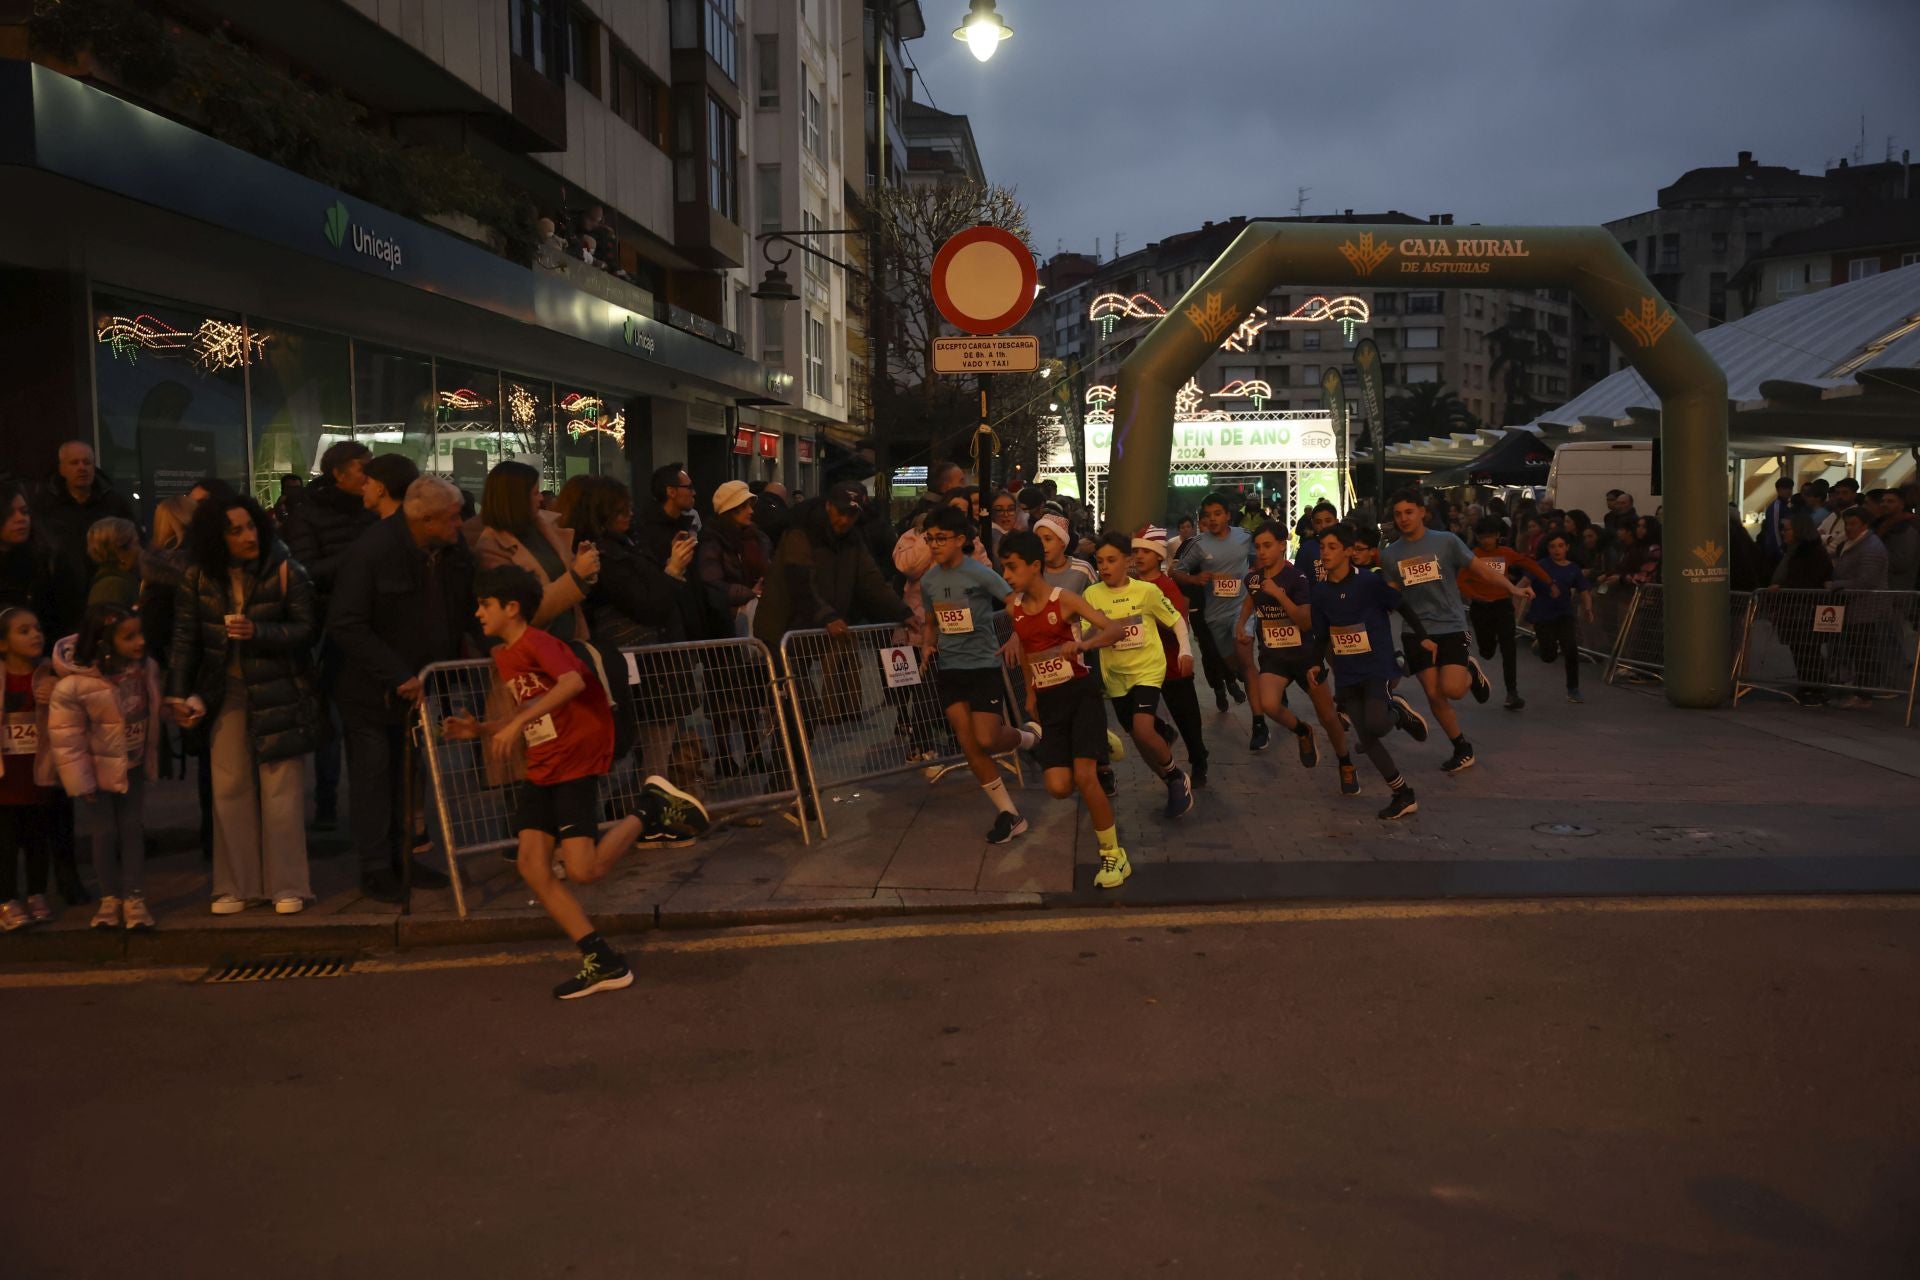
x=1011 y=353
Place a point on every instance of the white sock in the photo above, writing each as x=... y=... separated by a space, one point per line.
x=1029 y=735
x=997 y=792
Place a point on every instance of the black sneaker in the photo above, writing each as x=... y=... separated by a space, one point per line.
x=1220 y=696
x=1412 y=723
x=1349 y=780
x=1309 y=752
x=1260 y=738
x=1236 y=692
x=595 y=976
x=1197 y=774
x=1005 y=827
x=1515 y=702
x=1179 y=795
x=679 y=815
x=1108 y=783
x=1573 y=695
x=1401 y=804
x=1460 y=760
x=1481 y=687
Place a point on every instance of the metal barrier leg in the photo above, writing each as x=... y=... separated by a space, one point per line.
x=789 y=695
x=1740 y=649
x=1620 y=639
x=446 y=818
x=802 y=788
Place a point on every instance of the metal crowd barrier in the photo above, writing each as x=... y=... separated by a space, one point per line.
x=863 y=710
x=691 y=704
x=1793 y=642
x=1858 y=642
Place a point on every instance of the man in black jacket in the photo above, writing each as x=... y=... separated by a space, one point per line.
x=403 y=598
x=320 y=527
x=655 y=528
x=66 y=508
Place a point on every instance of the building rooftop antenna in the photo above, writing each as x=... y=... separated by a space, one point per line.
x=1300 y=200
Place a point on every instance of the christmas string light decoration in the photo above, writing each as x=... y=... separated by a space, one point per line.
x=1109 y=308
x=1099 y=394
x=1346 y=310
x=464 y=400
x=219 y=345
x=213 y=346
x=523 y=407
x=1255 y=389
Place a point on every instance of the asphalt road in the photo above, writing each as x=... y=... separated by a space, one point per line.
x=1651 y=1089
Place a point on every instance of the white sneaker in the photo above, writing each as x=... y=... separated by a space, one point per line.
x=290 y=905
x=228 y=905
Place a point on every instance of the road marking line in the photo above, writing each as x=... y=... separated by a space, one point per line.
x=1082 y=922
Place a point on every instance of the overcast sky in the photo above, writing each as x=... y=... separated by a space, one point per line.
x=1148 y=117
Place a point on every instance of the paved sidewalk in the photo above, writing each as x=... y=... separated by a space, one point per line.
x=1621 y=795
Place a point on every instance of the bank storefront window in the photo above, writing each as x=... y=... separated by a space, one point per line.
x=300 y=392
x=588 y=426
x=393 y=402
x=171 y=385
x=466 y=424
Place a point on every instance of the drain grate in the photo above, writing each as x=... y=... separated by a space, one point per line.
x=1564 y=829
x=277 y=968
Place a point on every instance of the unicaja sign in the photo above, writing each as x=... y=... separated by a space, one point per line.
x=341 y=230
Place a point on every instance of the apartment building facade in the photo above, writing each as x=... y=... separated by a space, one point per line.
x=208 y=304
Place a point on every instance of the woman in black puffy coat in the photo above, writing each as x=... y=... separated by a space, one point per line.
x=243 y=629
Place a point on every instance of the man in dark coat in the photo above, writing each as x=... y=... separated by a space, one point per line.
x=67 y=506
x=822 y=574
x=403 y=598
x=657 y=524
x=325 y=521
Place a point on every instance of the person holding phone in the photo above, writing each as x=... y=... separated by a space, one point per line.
x=515 y=530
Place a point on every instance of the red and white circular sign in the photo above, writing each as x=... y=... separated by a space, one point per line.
x=983 y=280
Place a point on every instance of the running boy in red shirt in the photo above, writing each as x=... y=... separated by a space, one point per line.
x=567 y=726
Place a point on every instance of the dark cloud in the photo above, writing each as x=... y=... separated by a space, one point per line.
x=1147 y=117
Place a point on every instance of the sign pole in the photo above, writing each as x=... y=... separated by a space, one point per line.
x=983 y=445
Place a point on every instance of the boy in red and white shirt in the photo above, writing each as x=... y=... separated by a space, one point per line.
x=563 y=719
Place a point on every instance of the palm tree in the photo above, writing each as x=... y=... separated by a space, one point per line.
x=1427 y=409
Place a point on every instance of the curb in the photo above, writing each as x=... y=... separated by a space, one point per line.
x=185 y=946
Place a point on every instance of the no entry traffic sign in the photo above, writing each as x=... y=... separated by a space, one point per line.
x=983 y=280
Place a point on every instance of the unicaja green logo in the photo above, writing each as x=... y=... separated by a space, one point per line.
x=336 y=226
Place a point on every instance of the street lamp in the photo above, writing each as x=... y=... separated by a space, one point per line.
x=982 y=29
x=776 y=287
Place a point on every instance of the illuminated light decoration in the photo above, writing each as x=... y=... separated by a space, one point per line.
x=465 y=400
x=522 y=407
x=215 y=345
x=1254 y=389
x=1099 y=394
x=1187 y=401
x=1100 y=418
x=219 y=345
x=1241 y=339
x=583 y=415
x=616 y=427
x=1110 y=308
x=1346 y=310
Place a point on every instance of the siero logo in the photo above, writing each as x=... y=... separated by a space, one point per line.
x=339 y=226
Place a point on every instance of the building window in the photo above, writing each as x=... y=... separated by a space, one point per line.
x=1909 y=259
x=1753 y=243
x=1653 y=252
x=535 y=34
x=766 y=69
x=685 y=175
x=1861 y=268
x=811 y=224
x=638 y=97
x=723 y=161
x=1422 y=339
x=583 y=49
x=814 y=347
x=1628 y=247
x=1426 y=304
x=811 y=133
x=1786 y=280
x=1310 y=340
x=1670 y=251
x=720 y=36
x=1386 y=304
x=768 y=178
x=1417 y=373
x=1719 y=239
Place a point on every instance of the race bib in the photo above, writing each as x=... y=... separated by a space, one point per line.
x=1496 y=564
x=1351 y=642
x=1051 y=669
x=137 y=740
x=22 y=738
x=1132 y=634
x=1227 y=587
x=1419 y=572
x=954 y=619
x=540 y=732
x=1279 y=635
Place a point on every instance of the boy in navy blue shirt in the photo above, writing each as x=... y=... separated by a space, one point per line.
x=1350 y=625
x=1552 y=610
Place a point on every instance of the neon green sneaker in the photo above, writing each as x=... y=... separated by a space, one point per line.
x=1114 y=869
x=1116 y=745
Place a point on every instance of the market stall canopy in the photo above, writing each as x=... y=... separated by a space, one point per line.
x=1519 y=457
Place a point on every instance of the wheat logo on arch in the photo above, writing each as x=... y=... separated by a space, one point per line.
x=1215 y=320
x=1649 y=325
x=1366 y=255
x=1709 y=552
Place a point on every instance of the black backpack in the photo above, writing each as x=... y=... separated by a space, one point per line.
x=617 y=692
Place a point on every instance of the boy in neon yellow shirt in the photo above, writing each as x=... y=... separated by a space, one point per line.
x=1135 y=666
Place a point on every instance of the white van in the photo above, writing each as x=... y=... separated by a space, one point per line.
x=1584 y=470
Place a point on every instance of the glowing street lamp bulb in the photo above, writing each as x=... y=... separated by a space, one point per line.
x=982 y=30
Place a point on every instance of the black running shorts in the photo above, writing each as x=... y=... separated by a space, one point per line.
x=981 y=688
x=1072 y=724
x=564 y=810
x=1453 y=651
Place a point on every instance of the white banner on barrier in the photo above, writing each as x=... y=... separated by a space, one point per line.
x=1830 y=619
x=900 y=665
